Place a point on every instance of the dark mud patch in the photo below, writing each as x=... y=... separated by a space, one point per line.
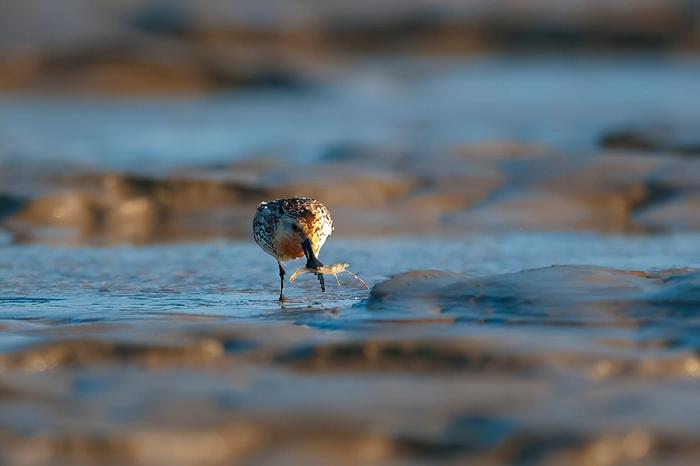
x=86 y=352
x=9 y=205
x=405 y=356
x=683 y=142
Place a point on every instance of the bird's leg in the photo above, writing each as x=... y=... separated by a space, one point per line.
x=282 y=274
x=312 y=262
x=322 y=281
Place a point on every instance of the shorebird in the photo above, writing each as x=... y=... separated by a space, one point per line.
x=291 y=229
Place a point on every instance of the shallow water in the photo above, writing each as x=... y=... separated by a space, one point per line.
x=181 y=352
x=235 y=280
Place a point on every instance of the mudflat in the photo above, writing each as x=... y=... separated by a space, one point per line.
x=528 y=225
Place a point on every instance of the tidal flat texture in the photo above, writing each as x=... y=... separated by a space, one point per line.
x=392 y=147
x=180 y=354
x=529 y=225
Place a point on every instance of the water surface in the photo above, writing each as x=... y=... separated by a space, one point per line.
x=406 y=103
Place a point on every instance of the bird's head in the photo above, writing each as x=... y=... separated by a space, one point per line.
x=300 y=235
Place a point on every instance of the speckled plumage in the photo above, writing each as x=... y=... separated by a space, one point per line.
x=273 y=226
x=293 y=228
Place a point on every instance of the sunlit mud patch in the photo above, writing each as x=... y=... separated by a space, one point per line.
x=112 y=208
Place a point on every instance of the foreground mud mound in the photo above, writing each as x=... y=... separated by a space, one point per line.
x=575 y=365
x=556 y=296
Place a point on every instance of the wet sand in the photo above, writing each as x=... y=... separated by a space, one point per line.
x=400 y=146
x=174 y=354
x=197 y=46
x=533 y=256
x=494 y=186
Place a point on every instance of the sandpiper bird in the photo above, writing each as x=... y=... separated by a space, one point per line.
x=291 y=229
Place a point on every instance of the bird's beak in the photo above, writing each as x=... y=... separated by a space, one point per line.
x=312 y=261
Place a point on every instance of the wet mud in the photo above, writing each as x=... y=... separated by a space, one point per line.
x=195 y=47
x=583 y=365
x=494 y=187
x=528 y=222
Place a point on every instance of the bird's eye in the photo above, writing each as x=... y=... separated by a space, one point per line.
x=295 y=227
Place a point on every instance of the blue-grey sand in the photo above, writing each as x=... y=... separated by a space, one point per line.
x=533 y=258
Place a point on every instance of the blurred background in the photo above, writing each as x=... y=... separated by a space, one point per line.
x=518 y=180
x=147 y=120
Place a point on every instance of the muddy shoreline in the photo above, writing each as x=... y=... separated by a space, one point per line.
x=498 y=186
x=502 y=383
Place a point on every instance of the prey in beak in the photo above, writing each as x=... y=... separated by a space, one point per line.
x=312 y=261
